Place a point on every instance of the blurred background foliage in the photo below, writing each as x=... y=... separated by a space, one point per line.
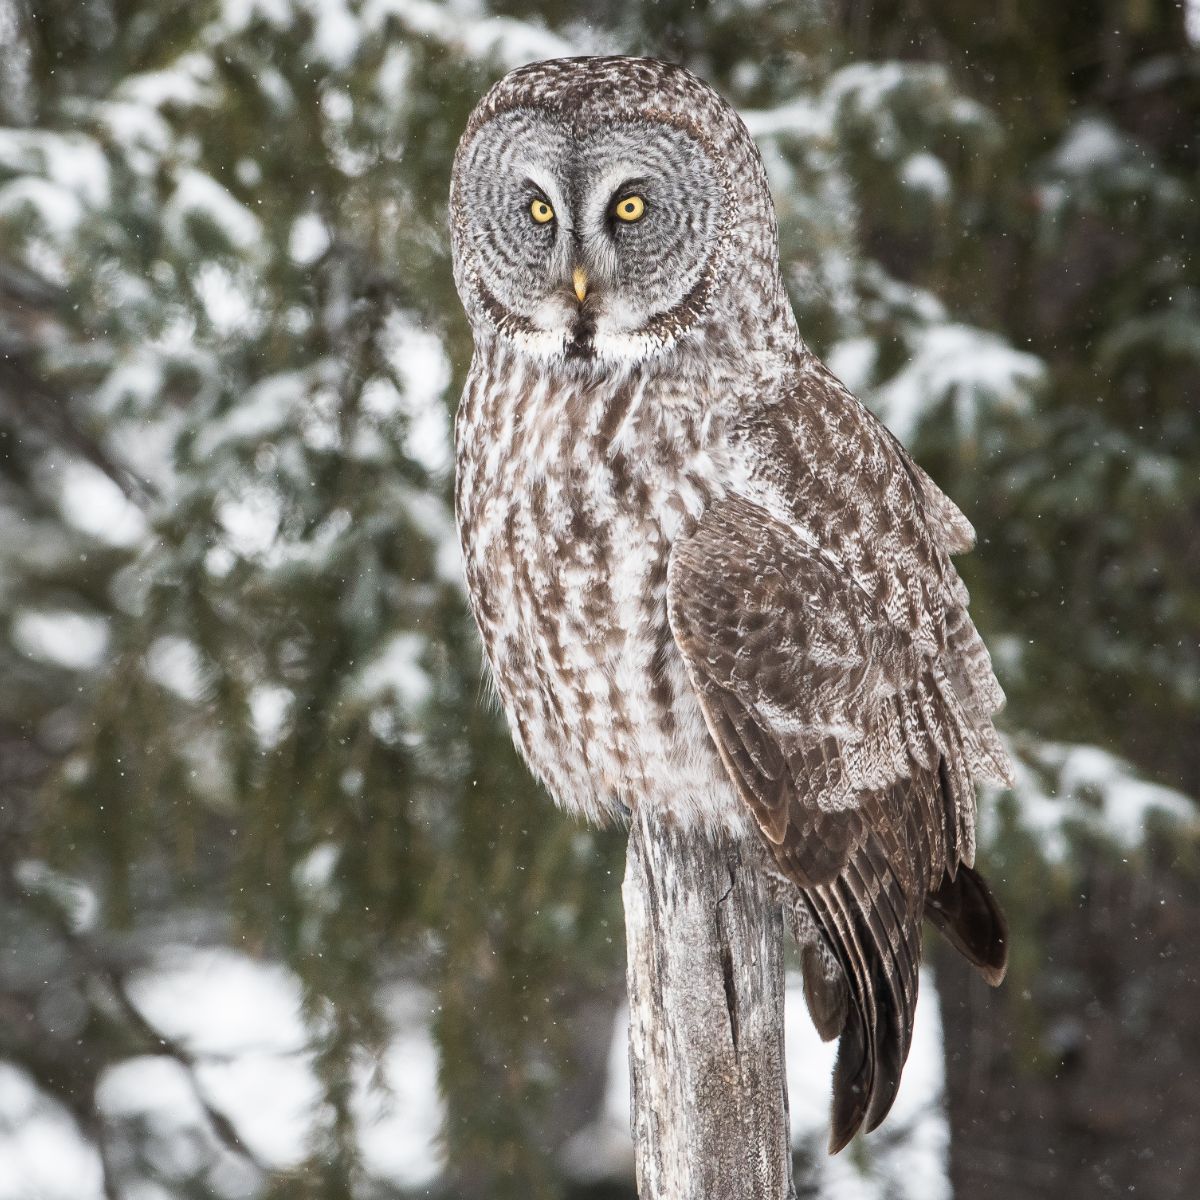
x=250 y=777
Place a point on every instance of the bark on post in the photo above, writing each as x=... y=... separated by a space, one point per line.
x=706 y=996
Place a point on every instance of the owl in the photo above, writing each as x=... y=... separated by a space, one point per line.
x=707 y=579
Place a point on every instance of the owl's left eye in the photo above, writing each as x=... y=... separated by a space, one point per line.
x=540 y=211
x=630 y=208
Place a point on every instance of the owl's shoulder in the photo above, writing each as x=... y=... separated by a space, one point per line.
x=811 y=439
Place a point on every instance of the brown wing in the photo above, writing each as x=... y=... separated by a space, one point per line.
x=851 y=745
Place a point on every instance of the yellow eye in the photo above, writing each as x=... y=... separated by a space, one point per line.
x=631 y=208
x=541 y=212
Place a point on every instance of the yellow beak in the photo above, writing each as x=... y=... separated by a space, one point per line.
x=579 y=279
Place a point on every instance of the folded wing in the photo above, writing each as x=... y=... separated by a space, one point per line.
x=853 y=738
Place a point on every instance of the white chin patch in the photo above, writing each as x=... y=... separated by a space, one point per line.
x=621 y=346
x=558 y=330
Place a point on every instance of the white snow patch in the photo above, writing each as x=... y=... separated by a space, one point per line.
x=92 y=502
x=269 y=707
x=68 y=639
x=853 y=361
x=55 y=210
x=422 y=366
x=462 y=26
x=242 y=1020
x=135 y=382
x=186 y=83
x=314 y=872
x=237 y=15
x=250 y=520
x=907 y=1158
x=396 y=671
x=926 y=173
x=270 y=406
x=798 y=118
x=43 y=1154
x=1090 y=144
x=229 y=306
x=309 y=239
x=142 y=133
x=73 y=162
x=399 y=1126
x=73 y=898
x=1061 y=785
x=175 y=664
x=220 y=1003
x=973 y=369
x=199 y=196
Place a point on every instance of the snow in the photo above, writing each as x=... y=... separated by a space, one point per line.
x=228 y=304
x=1060 y=786
x=971 y=368
x=1091 y=144
x=336 y=32
x=309 y=239
x=267 y=408
x=186 y=83
x=69 y=639
x=396 y=671
x=269 y=706
x=422 y=367
x=219 y=1002
x=926 y=173
x=141 y=132
x=250 y=521
x=56 y=210
x=907 y=1158
x=134 y=381
x=462 y=27
x=93 y=503
x=400 y=1123
x=43 y=1154
x=853 y=361
x=74 y=900
x=237 y=15
x=799 y=118
x=199 y=196
x=314 y=872
x=175 y=664
x=72 y=162
x=242 y=1019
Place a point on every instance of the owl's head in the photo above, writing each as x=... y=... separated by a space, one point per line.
x=603 y=209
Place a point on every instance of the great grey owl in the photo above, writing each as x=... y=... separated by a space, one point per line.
x=706 y=577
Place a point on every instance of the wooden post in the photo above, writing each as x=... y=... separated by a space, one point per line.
x=706 y=1002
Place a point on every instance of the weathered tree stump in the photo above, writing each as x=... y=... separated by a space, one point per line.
x=706 y=1004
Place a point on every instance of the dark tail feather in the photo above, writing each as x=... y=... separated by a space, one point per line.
x=880 y=956
x=851 y=1082
x=825 y=992
x=966 y=913
x=870 y=1060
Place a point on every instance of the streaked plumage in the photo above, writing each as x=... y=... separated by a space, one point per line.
x=706 y=578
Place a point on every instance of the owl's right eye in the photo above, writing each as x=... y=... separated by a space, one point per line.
x=541 y=212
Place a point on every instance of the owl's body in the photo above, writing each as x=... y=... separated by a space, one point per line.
x=706 y=579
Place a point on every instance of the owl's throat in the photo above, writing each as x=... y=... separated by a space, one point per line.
x=581 y=333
